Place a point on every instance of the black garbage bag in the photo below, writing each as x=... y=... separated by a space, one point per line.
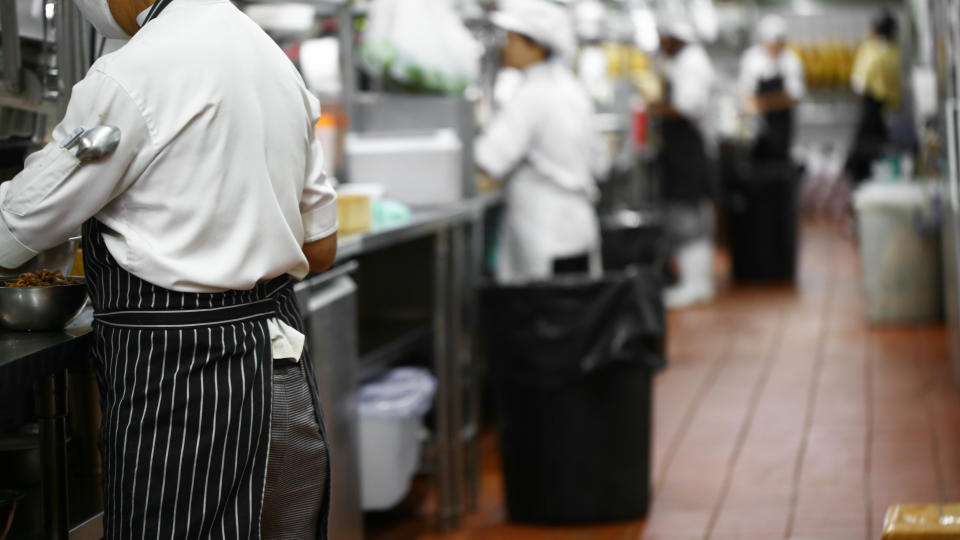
x=571 y=367
x=762 y=213
x=631 y=237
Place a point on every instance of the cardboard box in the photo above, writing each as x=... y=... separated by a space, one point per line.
x=922 y=522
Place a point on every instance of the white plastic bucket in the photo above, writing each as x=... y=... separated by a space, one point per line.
x=899 y=253
x=391 y=427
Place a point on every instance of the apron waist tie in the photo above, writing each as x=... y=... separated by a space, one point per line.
x=189 y=318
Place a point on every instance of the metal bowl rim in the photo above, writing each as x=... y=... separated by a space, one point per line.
x=5 y=278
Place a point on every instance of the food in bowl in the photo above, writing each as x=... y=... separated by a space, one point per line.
x=43 y=278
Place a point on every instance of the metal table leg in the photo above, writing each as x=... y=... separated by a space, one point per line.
x=473 y=264
x=459 y=357
x=447 y=515
x=51 y=393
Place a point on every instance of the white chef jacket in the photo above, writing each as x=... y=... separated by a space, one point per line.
x=543 y=140
x=218 y=180
x=691 y=78
x=756 y=65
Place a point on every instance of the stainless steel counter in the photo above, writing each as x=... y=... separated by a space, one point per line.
x=455 y=233
x=24 y=356
x=425 y=222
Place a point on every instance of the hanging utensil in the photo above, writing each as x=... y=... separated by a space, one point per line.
x=97 y=142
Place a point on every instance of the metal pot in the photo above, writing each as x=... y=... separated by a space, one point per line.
x=20 y=453
x=22 y=470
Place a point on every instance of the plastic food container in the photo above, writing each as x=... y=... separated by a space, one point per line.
x=355 y=206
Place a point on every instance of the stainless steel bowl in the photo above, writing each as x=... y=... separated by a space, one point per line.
x=59 y=257
x=39 y=309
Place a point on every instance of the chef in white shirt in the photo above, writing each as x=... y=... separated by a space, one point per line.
x=194 y=229
x=542 y=144
x=686 y=166
x=772 y=82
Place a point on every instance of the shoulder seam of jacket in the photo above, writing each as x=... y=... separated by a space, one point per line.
x=152 y=132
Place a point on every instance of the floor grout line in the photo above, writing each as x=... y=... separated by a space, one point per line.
x=811 y=405
x=761 y=384
x=931 y=406
x=870 y=398
x=709 y=379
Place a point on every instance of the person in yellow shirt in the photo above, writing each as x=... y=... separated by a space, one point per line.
x=876 y=79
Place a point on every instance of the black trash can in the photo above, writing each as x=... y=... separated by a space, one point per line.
x=761 y=202
x=571 y=366
x=632 y=237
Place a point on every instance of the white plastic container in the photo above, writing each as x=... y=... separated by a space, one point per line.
x=899 y=252
x=391 y=427
x=417 y=168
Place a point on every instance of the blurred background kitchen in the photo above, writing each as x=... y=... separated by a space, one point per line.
x=761 y=343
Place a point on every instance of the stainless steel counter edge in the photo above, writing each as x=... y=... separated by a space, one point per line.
x=426 y=221
x=24 y=356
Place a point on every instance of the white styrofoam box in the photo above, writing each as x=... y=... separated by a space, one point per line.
x=899 y=259
x=287 y=17
x=416 y=168
x=320 y=65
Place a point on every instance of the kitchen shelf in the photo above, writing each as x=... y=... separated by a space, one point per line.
x=392 y=341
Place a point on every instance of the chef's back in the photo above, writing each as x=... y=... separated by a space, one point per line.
x=218 y=180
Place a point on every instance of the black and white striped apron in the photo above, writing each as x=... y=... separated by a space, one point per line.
x=186 y=392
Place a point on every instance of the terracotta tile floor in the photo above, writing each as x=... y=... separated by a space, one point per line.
x=781 y=416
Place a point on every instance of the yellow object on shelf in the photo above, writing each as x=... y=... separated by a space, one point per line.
x=623 y=60
x=922 y=522
x=77 y=269
x=826 y=63
x=355 y=213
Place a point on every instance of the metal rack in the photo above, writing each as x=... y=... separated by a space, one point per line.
x=60 y=58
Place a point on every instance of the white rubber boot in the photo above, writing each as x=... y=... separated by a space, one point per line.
x=695 y=261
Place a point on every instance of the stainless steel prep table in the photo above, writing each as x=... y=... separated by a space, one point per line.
x=40 y=361
x=457 y=237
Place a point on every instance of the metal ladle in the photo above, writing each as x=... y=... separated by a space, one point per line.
x=93 y=143
x=97 y=142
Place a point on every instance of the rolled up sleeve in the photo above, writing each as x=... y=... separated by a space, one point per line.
x=794 y=77
x=508 y=137
x=55 y=193
x=691 y=84
x=747 y=82
x=318 y=204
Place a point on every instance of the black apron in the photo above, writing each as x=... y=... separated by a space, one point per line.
x=776 y=133
x=186 y=391
x=869 y=140
x=685 y=167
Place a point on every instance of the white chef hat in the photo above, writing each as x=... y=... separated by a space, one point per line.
x=590 y=16
x=771 y=29
x=676 y=25
x=540 y=20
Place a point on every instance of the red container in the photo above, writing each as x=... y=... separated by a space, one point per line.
x=639 y=118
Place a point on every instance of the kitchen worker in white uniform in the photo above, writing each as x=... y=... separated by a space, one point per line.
x=542 y=144
x=772 y=83
x=686 y=165
x=194 y=228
